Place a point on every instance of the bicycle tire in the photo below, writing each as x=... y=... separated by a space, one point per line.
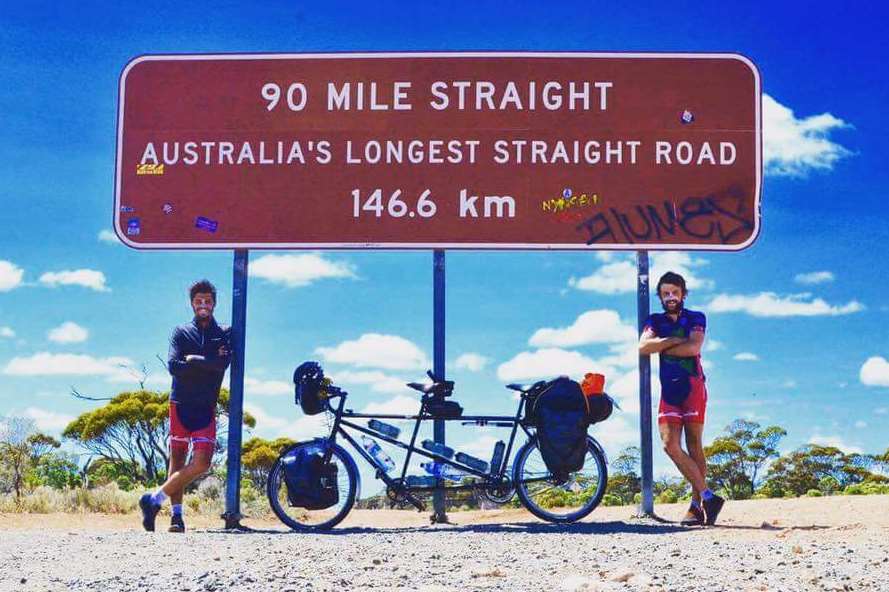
x=277 y=495
x=594 y=454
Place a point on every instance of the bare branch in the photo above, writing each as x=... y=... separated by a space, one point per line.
x=78 y=395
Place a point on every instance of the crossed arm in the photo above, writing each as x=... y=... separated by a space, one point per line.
x=178 y=364
x=649 y=343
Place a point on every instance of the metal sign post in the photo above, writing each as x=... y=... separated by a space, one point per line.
x=232 y=515
x=646 y=508
x=438 y=361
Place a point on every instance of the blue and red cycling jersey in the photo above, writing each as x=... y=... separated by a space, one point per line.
x=673 y=366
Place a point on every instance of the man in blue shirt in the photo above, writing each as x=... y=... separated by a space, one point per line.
x=198 y=357
x=677 y=335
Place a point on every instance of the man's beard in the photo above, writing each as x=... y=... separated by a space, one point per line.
x=680 y=304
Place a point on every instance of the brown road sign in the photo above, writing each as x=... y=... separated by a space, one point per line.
x=439 y=150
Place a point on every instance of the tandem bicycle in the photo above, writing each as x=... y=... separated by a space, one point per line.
x=514 y=469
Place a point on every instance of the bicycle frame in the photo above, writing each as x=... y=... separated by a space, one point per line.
x=343 y=419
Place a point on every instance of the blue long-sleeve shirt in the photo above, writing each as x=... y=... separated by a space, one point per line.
x=196 y=383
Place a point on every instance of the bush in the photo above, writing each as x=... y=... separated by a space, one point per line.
x=759 y=496
x=814 y=493
x=611 y=500
x=856 y=489
x=667 y=497
x=637 y=499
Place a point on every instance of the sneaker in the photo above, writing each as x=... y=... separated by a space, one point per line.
x=712 y=507
x=149 y=511
x=177 y=524
x=694 y=517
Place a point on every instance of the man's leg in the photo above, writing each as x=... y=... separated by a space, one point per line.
x=694 y=443
x=178 y=456
x=200 y=464
x=671 y=434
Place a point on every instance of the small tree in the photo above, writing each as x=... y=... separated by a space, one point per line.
x=21 y=448
x=258 y=456
x=735 y=460
x=624 y=482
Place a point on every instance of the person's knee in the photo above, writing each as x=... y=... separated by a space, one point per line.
x=672 y=447
x=200 y=465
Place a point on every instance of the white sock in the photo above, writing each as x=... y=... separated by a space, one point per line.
x=159 y=497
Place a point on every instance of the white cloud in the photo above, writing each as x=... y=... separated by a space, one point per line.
x=875 y=371
x=794 y=147
x=373 y=350
x=619 y=277
x=88 y=278
x=266 y=421
x=860 y=424
x=613 y=278
x=400 y=405
x=616 y=433
x=10 y=276
x=594 y=326
x=107 y=236
x=254 y=386
x=835 y=441
x=625 y=390
x=68 y=332
x=7 y=332
x=472 y=362
x=481 y=447
x=47 y=364
x=789 y=384
x=711 y=345
x=379 y=382
x=814 y=277
x=769 y=304
x=746 y=357
x=296 y=271
x=46 y=421
x=545 y=363
x=881 y=410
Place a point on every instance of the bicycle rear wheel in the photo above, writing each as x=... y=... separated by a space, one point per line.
x=559 y=502
x=301 y=518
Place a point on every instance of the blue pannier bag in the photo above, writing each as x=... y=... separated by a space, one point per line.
x=311 y=483
x=562 y=422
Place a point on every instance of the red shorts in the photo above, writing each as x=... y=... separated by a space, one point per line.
x=692 y=409
x=181 y=436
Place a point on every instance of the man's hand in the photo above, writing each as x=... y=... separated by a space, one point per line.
x=223 y=351
x=194 y=358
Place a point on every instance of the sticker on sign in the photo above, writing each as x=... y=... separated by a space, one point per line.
x=440 y=150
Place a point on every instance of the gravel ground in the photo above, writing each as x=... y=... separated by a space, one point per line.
x=771 y=545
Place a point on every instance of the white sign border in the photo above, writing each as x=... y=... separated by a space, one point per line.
x=426 y=246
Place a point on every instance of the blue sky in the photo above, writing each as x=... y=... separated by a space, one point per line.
x=794 y=322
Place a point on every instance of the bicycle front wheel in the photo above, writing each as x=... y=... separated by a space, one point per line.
x=299 y=518
x=559 y=502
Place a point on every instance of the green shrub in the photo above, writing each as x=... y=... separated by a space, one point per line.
x=611 y=500
x=667 y=497
x=814 y=493
x=856 y=489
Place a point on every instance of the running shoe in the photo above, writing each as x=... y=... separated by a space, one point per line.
x=177 y=524
x=694 y=516
x=712 y=507
x=149 y=511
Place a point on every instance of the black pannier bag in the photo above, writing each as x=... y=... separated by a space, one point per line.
x=599 y=407
x=309 y=383
x=311 y=483
x=560 y=412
